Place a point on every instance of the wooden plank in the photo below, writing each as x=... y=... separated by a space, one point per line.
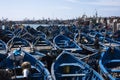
x=72 y=75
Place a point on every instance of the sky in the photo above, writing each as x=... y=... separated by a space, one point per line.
x=60 y=9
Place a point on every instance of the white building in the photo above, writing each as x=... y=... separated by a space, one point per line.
x=118 y=26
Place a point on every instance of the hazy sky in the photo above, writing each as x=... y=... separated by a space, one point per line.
x=61 y=9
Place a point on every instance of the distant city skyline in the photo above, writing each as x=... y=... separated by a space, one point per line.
x=61 y=9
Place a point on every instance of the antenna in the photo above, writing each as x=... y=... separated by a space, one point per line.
x=96 y=13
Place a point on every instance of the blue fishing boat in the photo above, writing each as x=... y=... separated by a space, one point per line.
x=6 y=35
x=20 y=65
x=110 y=63
x=3 y=47
x=20 y=31
x=17 y=31
x=16 y=42
x=34 y=32
x=111 y=42
x=87 y=39
x=64 y=43
x=97 y=34
x=40 y=34
x=92 y=33
x=88 y=43
x=42 y=44
x=3 y=50
x=28 y=36
x=67 y=67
